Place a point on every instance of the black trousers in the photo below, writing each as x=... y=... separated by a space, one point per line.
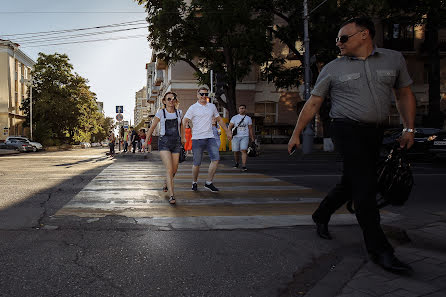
x=358 y=145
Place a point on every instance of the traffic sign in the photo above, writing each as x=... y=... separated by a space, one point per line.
x=119 y=117
x=119 y=109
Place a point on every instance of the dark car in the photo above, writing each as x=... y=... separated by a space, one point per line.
x=436 y=144
x=420 y=146
x=18 y=145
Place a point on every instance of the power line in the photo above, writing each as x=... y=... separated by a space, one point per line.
x=136 y=22
x=42 y=39
x=67 y=12
x=87 y=41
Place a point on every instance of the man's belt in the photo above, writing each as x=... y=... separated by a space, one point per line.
x=357 y=123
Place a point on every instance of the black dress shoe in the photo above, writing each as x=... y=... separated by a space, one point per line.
x=322 y=231
x=388 y=261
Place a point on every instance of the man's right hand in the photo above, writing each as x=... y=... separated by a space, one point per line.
x=183 y=140
x=294 y=142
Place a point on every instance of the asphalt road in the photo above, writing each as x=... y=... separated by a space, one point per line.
x=110 y=259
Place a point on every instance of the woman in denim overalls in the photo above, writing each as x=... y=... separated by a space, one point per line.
x=169 y=143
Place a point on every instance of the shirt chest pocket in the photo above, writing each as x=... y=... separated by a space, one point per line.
x=350 y=80
x=386 y=76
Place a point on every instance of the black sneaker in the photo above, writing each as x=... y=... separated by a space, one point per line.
x=235 y=165
x=194 y=187
x=244 y=169
x=211 y=187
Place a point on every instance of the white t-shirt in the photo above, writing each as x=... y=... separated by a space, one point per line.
x=201 y=117
x=169 y=116
x=242 y=129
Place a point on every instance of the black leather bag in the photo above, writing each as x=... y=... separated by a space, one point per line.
x=182 y=155
x=395 y=179
x=252 y=150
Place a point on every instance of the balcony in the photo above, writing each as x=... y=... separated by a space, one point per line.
x=406 y=45
x=159 y=77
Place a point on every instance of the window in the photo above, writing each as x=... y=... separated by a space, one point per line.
x=399 y=36
x=267 y=110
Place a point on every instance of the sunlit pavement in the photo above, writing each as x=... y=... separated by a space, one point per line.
x=133 y=189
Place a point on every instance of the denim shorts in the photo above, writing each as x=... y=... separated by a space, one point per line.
x=209 y=144
x=240 y=143
x=169 y=143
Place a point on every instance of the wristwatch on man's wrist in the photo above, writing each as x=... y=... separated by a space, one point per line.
x=409 y=130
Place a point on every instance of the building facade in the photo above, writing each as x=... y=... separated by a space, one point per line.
x=15 y=68
x=141 y=106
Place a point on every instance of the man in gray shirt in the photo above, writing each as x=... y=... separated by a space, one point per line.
x=361 y=85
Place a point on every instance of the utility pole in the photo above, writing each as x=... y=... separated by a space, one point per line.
x=308 y=134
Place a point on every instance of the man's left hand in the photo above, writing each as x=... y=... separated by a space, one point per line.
x=406 y=140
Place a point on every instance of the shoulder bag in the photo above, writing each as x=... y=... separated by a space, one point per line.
x=234 y=130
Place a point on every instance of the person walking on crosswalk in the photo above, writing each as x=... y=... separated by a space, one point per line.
x=201 y=114
x=242 y=123
x=169 y=143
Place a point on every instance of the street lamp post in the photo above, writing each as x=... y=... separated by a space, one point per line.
x=308 y=134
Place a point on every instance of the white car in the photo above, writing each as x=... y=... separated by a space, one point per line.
x=36 y=146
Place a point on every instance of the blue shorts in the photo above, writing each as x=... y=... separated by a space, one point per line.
x=169 y=143
x=240 y=143
x=198 y=147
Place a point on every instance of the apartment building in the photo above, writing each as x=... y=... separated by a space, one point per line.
x=141 y=106
x=15 y=67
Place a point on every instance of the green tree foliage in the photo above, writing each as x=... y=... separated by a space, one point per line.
x=226 y=36
x=324 y=24
x=64 y=108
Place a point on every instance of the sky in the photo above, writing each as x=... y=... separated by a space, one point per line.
x=115 y=69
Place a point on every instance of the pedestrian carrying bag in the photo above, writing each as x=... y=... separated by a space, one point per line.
x=394 y=179
x=234 y=130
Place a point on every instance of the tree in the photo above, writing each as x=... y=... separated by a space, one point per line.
x=64 y=108
x=323 y=26
x=227 y=36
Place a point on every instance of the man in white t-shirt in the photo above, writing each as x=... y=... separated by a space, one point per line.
x=240 y=141
x=201 y=114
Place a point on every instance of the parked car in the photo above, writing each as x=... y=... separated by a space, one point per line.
x=18 y=145
x=37 y=146
x=420 y=146
x=436 y=144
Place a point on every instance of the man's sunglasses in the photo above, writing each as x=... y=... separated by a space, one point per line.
x=344 y=38
x=203 y=94
x=171 y=99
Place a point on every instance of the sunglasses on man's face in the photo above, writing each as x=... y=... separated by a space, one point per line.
x=203 y=94
x=344 y=38
x=171 y=98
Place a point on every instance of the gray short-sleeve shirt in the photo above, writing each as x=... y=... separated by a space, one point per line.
x=362 y=90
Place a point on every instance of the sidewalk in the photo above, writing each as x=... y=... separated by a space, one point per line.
x=425 y=252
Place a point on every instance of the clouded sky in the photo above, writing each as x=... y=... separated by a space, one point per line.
x=115 y=68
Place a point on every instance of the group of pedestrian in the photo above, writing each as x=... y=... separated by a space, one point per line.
x=361 y=84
